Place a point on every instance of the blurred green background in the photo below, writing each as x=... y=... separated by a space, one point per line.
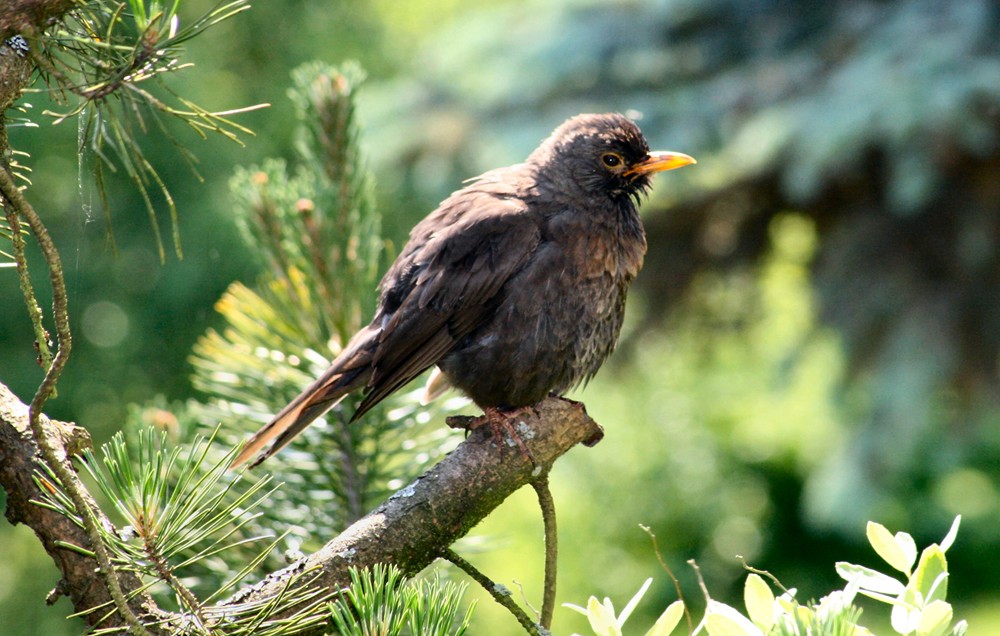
x=812 y=343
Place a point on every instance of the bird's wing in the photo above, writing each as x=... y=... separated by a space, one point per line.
x=447 y=282
x=443 y=285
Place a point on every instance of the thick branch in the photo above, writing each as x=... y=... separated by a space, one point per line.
x=411 y=529
x=19 y=462
x=28 y=17
x=419 y=522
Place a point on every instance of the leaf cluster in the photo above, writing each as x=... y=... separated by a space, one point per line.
x=918 y=606
x=380 y=601
x=179 y=515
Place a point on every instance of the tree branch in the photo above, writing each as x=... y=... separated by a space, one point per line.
x=28 y=17
x=20 y=461
x=414 y=526
x=548 y=508
x=501 y=594
x=411 y=529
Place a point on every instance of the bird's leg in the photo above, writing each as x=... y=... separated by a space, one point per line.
x=500 y=422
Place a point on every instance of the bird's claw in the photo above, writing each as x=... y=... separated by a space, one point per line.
x=501 y=425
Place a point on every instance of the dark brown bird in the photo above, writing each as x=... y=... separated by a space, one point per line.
x=514 y=286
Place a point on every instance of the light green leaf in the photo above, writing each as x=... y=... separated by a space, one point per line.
x=960 y=628
x=576 y=608
x=804 y=614
x=668 y=620
x=931 y=576
x=908 y=547
x=935 y=619
x=949 y=538
x=869 y=579
x=759 y=599
x=602 y=619
x=627 y=611
x=787 y=605
x=723 y=620
x=905 y=613
x=887 y=547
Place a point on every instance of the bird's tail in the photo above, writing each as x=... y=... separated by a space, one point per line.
x=351 y=370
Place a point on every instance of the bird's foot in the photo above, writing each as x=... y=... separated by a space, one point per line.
x=502 y=426
x=502 y=421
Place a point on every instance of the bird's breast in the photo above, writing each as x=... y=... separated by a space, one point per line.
x=611 y=243
x=559 y=317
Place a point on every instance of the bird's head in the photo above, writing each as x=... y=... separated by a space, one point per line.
x=604 y=155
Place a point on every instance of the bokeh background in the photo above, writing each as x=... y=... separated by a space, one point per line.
x=814 y=339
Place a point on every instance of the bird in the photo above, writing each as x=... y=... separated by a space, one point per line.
x=514 y=287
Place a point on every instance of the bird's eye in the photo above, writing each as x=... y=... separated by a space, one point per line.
x=612 y=159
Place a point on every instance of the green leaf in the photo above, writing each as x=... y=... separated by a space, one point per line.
x=627 y=611
x=576 y=608
x=900 y=554
x=723 y=620
x=602 y=618
x=668 y=620
x=905 y=613
x=759 y=599
x=935 y=619
x=931 y=576
x=870 y=580
x=949 y=538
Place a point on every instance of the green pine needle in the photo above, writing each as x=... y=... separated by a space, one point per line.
x=113 y=61
x=380 y=601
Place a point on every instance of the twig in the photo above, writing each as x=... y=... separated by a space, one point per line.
x=70 y=482
x=704 y=591
x=547 y=504
x=670 y=573
x=499 y=593
x=34 y=311
x=764 y=573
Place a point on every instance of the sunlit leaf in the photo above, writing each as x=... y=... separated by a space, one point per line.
x=935 y=619
x=949 y=538
x=602 y=619
x=931 y=575
x=869 y=579
x=668 y=620
x=627 y=610
x=905 y=614
x=897 y=554
x=723 y=620
x=759 y=600
x=907 y=546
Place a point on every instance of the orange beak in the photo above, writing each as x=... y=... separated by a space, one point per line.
x=659 y=162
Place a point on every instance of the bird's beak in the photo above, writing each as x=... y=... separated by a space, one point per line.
x=660 y=161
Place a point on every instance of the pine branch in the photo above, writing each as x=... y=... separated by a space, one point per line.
x=47 y=447
x=64 y=540
x=31 y=16
x=412 y=529
x=417 y=524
